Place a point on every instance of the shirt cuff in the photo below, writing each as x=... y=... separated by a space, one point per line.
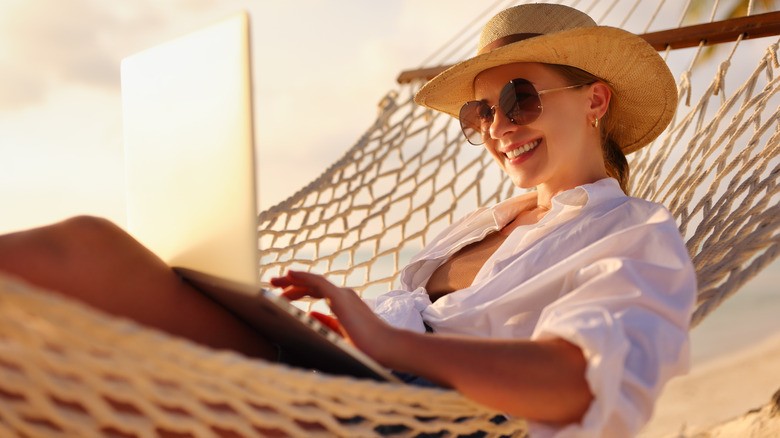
x=605 y=348
x=403 y=309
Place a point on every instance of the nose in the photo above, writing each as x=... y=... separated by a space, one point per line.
x=501 y=125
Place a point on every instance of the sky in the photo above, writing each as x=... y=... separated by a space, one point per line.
x=320 y=68
x=60 y=106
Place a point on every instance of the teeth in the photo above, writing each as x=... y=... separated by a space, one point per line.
x=514 y=153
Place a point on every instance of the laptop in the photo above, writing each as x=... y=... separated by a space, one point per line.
x=192 y=190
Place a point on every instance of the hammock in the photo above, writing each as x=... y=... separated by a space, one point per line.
x=68 y=370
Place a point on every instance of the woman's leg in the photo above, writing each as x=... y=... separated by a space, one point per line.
x=95 y=261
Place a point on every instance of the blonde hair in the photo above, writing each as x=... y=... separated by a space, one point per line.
x=614 y=159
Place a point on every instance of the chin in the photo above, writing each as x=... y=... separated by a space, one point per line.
x=526 y=177
x=523 y=183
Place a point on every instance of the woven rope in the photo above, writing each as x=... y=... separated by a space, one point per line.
x=66 y=370
x=411 y=174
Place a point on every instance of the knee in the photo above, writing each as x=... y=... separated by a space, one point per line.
x=89 y=227
x=80 y=232
x=81 y=239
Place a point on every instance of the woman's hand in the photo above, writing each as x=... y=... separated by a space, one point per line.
x=328 y=321
x=357 y=322
x=539 y=380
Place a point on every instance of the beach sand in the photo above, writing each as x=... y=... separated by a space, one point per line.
x=718 y=390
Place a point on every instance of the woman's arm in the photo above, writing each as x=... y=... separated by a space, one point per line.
x=536 y=380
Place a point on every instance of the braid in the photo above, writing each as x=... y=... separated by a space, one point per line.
x=616 y=163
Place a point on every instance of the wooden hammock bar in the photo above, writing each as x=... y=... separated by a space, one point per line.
x=753 y=26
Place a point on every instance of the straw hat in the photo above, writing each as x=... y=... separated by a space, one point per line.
x=645 y=90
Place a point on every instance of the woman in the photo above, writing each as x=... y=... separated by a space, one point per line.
x=584 y=292
x=568 y=306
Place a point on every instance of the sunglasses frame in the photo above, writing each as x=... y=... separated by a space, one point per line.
x=510 y=87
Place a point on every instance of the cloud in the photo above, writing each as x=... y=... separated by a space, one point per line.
x=17 y=87
x=48 y=43
x=320 y=70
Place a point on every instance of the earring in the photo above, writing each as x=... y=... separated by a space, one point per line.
x=595 y=122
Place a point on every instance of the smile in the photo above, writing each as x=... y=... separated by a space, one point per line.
x=514 y=153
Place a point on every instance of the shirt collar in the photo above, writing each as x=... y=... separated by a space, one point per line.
x=584 y=196
x=590 y=195
x=506 y=211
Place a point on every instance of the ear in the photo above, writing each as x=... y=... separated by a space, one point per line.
x=600 y=96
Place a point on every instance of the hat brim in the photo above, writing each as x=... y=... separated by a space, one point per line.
x=645 y=90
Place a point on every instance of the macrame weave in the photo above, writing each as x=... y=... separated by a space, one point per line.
x=66 y=370
x=412 y=173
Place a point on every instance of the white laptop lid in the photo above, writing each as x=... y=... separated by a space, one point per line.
x=191 y=188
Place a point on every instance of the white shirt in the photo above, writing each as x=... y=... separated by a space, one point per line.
x=605 y=271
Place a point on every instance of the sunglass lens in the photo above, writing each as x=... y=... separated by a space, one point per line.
x=520 y=102
x=475 y=118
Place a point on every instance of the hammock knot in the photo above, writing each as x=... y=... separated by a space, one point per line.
x=771 y=55
x=720 y=79
x=387 y=105
x=685 y=87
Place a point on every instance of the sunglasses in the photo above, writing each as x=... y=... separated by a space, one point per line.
x=519 y=100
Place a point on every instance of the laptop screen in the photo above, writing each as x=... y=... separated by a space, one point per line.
x=189 y=153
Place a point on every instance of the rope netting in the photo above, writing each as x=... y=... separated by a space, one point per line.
x=412 y=173
x=67 y=370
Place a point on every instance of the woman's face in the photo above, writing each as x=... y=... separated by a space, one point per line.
x=560 y=149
